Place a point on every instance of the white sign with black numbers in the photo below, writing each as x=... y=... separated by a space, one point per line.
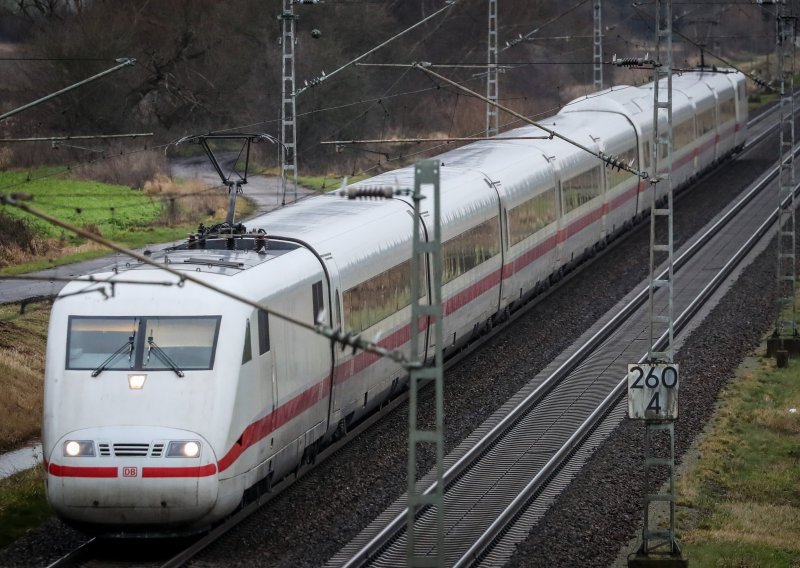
x=653 y=391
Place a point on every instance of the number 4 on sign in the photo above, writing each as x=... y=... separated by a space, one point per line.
x=653 y=391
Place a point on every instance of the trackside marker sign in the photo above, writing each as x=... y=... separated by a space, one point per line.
x=653 y=391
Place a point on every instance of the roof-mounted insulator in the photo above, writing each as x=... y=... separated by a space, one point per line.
x=633 y=61
x=374 y=192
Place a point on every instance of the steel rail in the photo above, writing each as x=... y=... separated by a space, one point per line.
x=397 y=525
x=74 y=554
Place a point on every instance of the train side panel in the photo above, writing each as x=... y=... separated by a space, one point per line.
x=284 y=378
x=531 y=205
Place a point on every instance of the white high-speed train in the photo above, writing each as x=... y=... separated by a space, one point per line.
x=164 y=405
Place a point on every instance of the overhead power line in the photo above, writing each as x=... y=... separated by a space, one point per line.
x=124 y=62
x=521 y=38
x=80 y=137
x=323 y=77
x=609 y=160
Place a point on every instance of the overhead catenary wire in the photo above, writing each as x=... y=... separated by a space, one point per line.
x=123 y=62
x=76 y=137
x=609 y=160
x=89 y=278
x=523 y=37
x=323 y=77
x=545 y=112
x=756 y=80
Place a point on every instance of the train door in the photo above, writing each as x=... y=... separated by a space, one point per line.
x=558 y=259
x=267 y=387
x=266 y=364
x=502 y=238
x=606 y=196
x=338 y=370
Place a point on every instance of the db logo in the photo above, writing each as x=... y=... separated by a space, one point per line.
x=129 y=472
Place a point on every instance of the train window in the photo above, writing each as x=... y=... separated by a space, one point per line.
x=646 y=157
x=138 y=343
x=377 y=298
x=727 y=110
x=91 y=341
x=617 y=176
x=188 y=341
x=263 y=332
x=316 y=300
x=338 y=311
x=532 y=215
x=247 y=354
x=706 y=122
x=682 y=134
x=469 y=249
x=581 y=188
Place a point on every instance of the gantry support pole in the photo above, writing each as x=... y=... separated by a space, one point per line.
x=288 y=103
x=597 y=44
x=492 y=85
x=426 y=316
x=658 y=377
x=786 y=322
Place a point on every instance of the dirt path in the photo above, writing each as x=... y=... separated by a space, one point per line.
x=265 y=191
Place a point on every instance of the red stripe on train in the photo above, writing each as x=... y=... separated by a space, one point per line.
x=71 y=471
x=198 y=471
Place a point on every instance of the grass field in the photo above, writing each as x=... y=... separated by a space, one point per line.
x=108 y=208
x=22 y=504
x=740 y=503
x=22 y=344
x=163 y=211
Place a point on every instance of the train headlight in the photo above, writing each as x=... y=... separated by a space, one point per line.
x=136 y=382
x=187 y=449
x=79 y=448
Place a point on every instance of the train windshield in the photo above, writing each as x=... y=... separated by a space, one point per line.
x=142 y=343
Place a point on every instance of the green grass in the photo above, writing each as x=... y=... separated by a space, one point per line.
x=744 y=492
x=112 y=209
x=326 y=182
x=131 y=218
x=136 y=237
x=23 y=504
x=22 y=346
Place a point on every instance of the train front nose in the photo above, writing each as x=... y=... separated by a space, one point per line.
x=132 y=477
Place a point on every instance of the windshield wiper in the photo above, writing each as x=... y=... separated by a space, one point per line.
x=151 y=345
x=127 y=345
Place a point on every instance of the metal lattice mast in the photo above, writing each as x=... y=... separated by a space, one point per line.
x=656 y=540
x=786 y=326
x=288 y=104
x=661 y=165
x=598 y=45
x=492 y=87
x=426 y=173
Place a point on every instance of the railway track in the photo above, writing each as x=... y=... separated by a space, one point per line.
x=93 y=553
x=503 y=478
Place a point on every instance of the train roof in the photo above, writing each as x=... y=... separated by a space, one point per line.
x=217 y=255
x=621 y=99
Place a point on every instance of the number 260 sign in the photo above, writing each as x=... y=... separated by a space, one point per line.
x=653 y=391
